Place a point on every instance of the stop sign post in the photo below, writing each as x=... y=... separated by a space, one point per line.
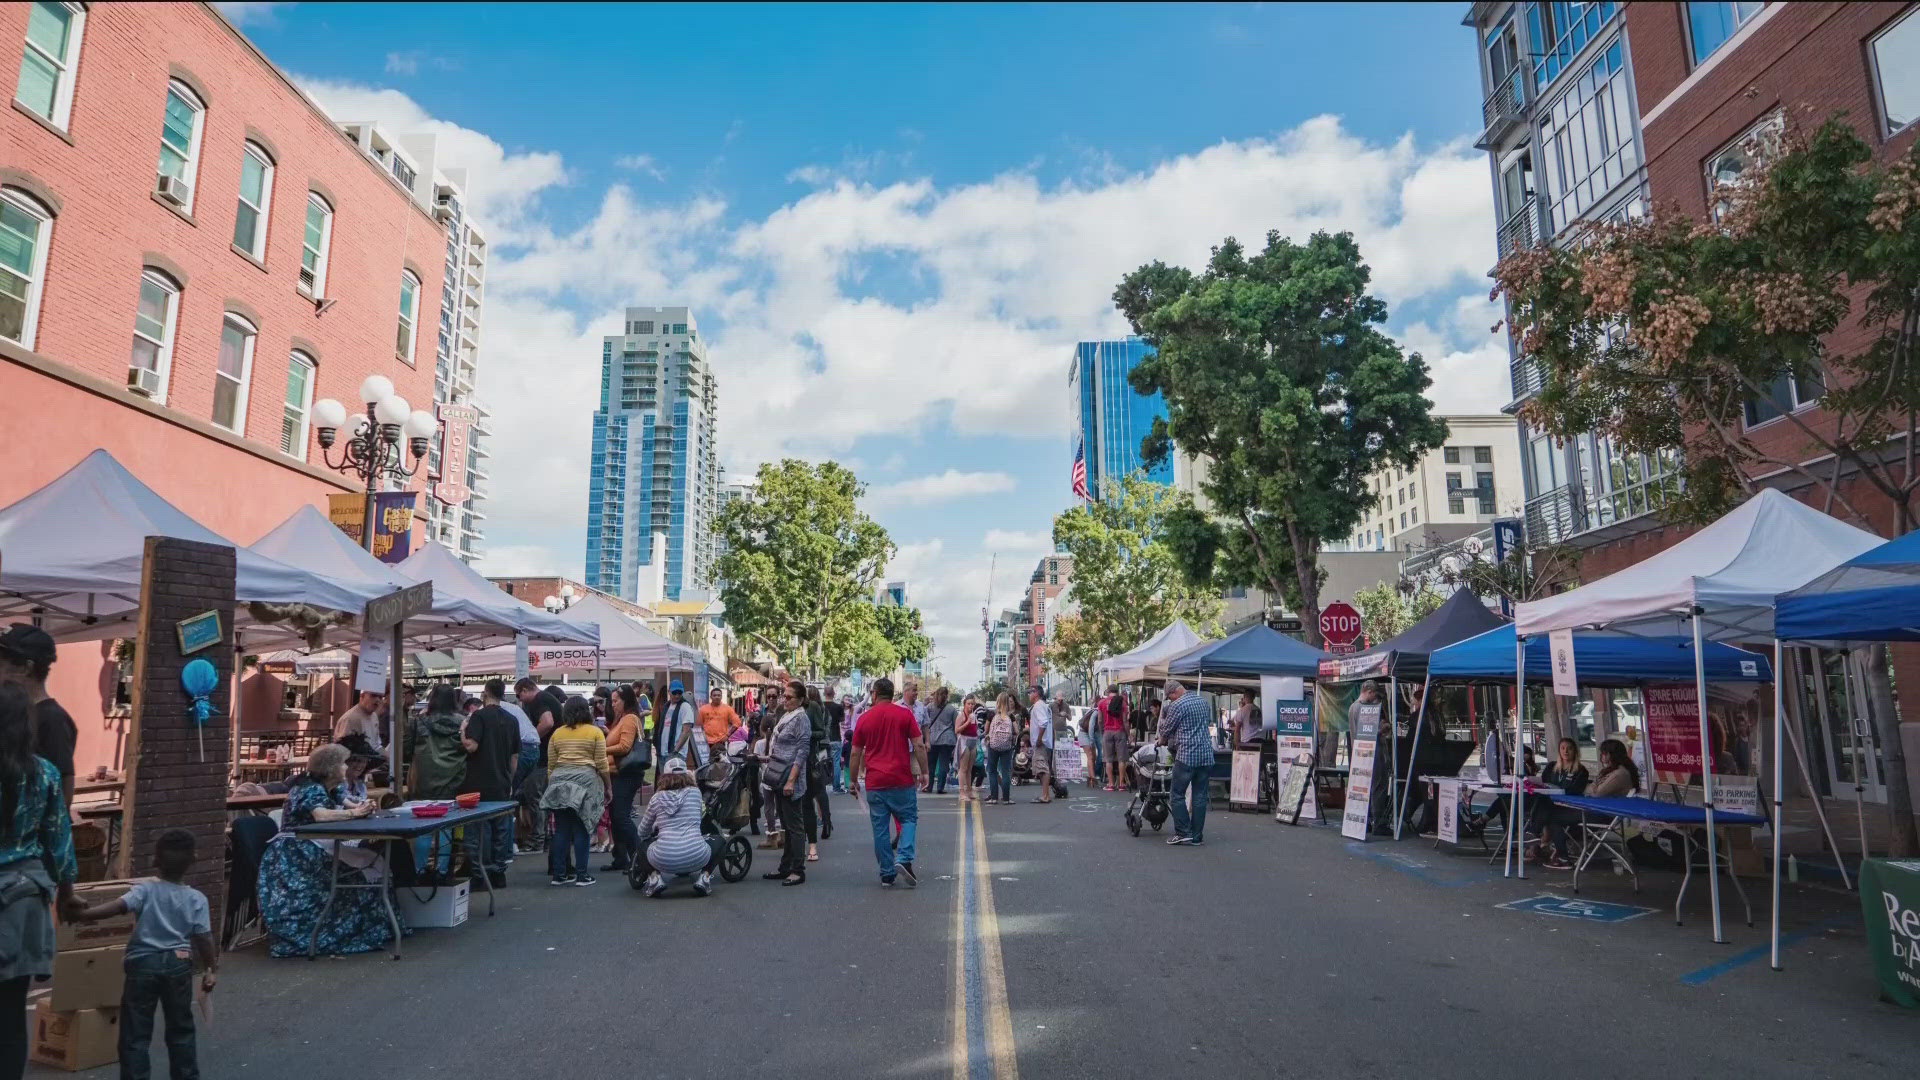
x=1340 y=626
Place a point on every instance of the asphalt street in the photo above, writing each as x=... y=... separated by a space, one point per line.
x=1047 y=942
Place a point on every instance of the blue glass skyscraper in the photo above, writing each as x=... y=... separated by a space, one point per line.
x=654 y=478
x=1113 y=418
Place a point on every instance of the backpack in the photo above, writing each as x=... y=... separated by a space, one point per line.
x=1000 y=733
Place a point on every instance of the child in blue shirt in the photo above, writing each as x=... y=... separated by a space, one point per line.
x=174 y=929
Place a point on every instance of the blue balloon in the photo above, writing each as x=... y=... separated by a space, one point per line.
x=199 y=678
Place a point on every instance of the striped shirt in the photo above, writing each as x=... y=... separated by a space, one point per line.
x=1187 y=725
x=672 y=822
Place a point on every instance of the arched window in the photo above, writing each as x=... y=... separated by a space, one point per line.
x=233 y=374
x=299 y=405
x=409 y=316
x=25 y=225
x=313 y=246
x=180 y=145
x=256 y=199
x=153 y=328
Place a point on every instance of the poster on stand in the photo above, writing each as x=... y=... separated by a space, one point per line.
x=1353 y=821
x=1673 y=731
x=1450 y=811
x=1245 y=787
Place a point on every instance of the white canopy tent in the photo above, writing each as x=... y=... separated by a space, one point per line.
x=454 y=579
x=1176 y=638
x=1718 y=584
x=72 y=554
x=625 y=645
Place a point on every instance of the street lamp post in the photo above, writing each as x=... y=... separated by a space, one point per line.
x=372 y=450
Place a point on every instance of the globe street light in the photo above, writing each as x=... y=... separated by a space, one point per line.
x=373 y=450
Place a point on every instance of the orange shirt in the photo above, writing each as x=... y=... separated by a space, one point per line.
x=716 y=721
x=622 y=739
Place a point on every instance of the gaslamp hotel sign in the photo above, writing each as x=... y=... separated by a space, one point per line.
x=456 y=439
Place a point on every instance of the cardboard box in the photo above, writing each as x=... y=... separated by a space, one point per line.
x=87 y=979
x=83 y=1039
x=443 y=907
x=103 y=934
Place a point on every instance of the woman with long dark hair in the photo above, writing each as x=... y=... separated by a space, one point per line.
x=630 y=754
x=36 y=865
x=1618 y=774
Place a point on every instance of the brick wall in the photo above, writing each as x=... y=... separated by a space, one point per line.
x=171 y=783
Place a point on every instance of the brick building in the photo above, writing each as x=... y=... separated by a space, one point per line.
x=1027 y=664
x=535 y=590
x=191 y=255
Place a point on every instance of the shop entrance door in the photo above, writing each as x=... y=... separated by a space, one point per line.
x=1848 y=741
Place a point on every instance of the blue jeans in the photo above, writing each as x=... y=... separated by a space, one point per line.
x=939 y=764
x=626 y=834
x=571 y=837
x=489 y=844
x=1195 y=778
x=433 y=852
x=833 y=761
x=885 y=806
x=167 y=981
x=1000 y=775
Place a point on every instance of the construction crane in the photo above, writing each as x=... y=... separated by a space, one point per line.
x=986 y=621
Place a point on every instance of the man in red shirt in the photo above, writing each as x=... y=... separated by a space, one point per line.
x=888 y=751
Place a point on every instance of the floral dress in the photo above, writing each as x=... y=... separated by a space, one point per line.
x=295 y=876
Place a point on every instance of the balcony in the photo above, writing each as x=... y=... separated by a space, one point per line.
x=1521 y=230
x=1526 y=378
x=1504 y=110
x=1639 y=488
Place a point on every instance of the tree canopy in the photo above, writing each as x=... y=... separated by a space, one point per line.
x=1387 y=611
x=1126 y=581
x=1276 y=371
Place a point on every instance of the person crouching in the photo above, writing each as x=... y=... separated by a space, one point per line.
x=670 y=839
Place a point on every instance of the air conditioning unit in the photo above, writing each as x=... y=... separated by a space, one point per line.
x=143 y=381
x=172 y=189
x=306 y=279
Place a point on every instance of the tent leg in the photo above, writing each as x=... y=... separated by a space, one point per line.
x=1779 y=781
x=1419 y=722
x=1517 y=810
x=1819 y=804
x=1393 y=734
x=1706 y=780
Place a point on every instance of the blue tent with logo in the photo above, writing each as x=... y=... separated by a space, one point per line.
x=1257 y=650
x=1599 y=659
x=1874 y=596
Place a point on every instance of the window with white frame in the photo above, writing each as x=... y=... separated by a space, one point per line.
x=409 y=310
x=313 y=246
x=1896 y=71
x=1788 y=393
x=298 y=407
x=1711 y=25
x=256 y=198
x=233 y=373
x=24 y=228
x=180 y=144
x=153 y=327
x=47 y=62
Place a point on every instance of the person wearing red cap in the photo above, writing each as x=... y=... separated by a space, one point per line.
x=26 y=655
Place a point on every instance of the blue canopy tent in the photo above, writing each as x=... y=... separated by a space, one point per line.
x=1874 y=596
x=1600 y=659
x=1257 y=650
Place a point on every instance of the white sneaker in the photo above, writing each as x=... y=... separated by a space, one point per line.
x=654 y=886
x=703 y=884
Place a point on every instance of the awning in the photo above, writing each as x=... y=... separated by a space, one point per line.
x=1405 y=655
x=1257 y=650
x=1874 y=596
x=1599 y=659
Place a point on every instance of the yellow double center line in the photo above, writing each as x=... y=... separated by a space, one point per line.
x=982 y=1023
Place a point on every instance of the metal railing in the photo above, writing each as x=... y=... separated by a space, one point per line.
x=1505 y=107
x=1526 y=377
x=1521 y=229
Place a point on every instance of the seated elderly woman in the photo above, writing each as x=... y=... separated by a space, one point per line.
x=296 y=873
x=670 y=839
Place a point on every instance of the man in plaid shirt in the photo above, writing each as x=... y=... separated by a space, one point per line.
x=1187 y=725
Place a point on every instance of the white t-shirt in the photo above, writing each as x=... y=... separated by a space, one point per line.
x=1040 y=724
x=528 y=733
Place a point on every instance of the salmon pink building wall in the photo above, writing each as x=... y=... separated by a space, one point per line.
x=67 y=396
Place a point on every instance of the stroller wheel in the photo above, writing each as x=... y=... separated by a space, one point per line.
x=1133 y=824
x=637 y=873
x=736 y=859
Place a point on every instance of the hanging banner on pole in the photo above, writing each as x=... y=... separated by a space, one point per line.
x=1673 y=731
x=393 y=521
x=522 y=662
x=1566 y=681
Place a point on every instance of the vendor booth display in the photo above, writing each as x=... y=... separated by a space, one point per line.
x=1718 y=584
x=1257 y=650
x=625 y=646
x=1139 y=664
x=453 y=578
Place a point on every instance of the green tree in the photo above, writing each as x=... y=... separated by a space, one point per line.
x=801 y=561
x=1126 y=579
x=1668 y=334
x=1275 y=370
x=1388 y=610
x=902 y=627
x=1074 y=647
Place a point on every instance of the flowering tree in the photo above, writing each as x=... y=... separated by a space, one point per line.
x=1664 y=333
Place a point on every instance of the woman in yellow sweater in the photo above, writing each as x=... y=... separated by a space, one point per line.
x=577 y=782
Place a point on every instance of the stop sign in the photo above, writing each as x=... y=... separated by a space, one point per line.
x=1339 y=624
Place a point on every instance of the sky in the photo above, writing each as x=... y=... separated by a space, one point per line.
x=894 y=222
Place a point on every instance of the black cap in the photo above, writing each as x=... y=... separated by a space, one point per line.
x=23 y=641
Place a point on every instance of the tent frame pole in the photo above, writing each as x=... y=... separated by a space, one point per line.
x=1706 y=778
x=1515 y=860
x=1393 y=751
x=1419 y=723
x=1779 y=781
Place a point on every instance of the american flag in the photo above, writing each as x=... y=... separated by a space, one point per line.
x=1080 y=473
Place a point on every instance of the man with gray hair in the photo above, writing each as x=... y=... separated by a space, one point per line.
x=1186 y=725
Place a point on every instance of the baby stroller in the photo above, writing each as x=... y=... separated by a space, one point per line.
x=1152 y=771
x=727 y=809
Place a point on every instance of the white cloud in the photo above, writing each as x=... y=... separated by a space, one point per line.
x=641 y=163
x=904 y=306
x=952 y=484
x=407 y=63
x=252 y=14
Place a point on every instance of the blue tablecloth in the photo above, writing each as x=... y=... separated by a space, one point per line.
x=1641 y=808
x=401 y=825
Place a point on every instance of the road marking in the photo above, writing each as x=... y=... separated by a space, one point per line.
x=1413 y=867
x=1759 y=952
x=982 y=1022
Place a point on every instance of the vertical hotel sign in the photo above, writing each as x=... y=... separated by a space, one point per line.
x=456 y=440
x=393 y=521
